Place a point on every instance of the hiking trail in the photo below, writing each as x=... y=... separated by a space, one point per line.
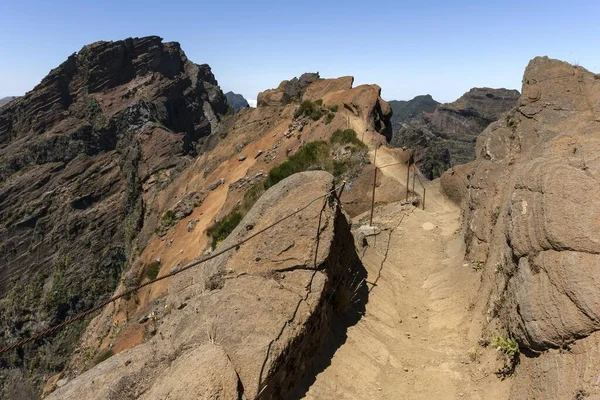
x=417 y=338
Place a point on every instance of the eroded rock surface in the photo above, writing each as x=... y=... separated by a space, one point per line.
x=532 y=203
x=251 y=322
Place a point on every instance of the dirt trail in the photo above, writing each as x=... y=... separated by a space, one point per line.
x=418 y=337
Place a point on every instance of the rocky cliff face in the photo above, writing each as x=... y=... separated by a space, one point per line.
x=288 y=91
x=447 y=136
x=531 y=210
x=81 y=157
x=237 y=101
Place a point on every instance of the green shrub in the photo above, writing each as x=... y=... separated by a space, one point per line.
x=316 y=115
x=168 y=218
x=339 y=168
x=346 y=136
x=311 y=155
x=329 y=118
x=506 y=345
x=310 y=109
x=104 y=355
x=152 y=270
x=333 y=108
x=306 y=108
x=220 y=230
x=252 y=195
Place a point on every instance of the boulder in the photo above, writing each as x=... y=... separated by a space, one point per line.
x=256 y=317
x=446 y=136
x=531 y=210
x=287 y=92
x=321 y=87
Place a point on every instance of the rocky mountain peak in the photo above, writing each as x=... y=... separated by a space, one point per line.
x=486 y=103
x=82 y=157
x=237 y=101
x=446 y=136
x=405 y=110
x=288 y=91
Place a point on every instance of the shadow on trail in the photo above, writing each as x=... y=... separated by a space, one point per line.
x=346 y=307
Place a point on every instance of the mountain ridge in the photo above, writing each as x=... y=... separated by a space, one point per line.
x=81 y=155
x=446 y=136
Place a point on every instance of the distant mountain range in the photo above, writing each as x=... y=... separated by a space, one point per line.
x=405 y=110
x=444 y=135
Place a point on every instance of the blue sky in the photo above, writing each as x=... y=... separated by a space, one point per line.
x=407 y=47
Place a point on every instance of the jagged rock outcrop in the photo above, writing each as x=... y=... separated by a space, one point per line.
x=447 y=136
x=81 y=157
x=318 y=89
x=406 y=110
x=531 y=210
x=287 y=92
x=251 y=322
x=237 y=101
x=6 y=100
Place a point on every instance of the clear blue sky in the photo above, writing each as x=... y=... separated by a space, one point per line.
x=407 y=47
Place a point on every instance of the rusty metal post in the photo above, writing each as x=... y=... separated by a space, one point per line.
x=414 y=179
x=424 y=197
x=407 y=179
x=339 y=196
x=373 y=197
x=374 y=184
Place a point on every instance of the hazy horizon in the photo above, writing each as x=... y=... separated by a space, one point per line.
x=409 y=49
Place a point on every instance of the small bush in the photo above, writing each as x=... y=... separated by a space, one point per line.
x=316 y=115
x=152 y=270
x=310 y=109
x=506 y=345
x=215 y=282
x=220 y=230
x=306 y=108
x=104 y=355
x=168 y=218
x=333 y=108
x=509 y=348
x=339 y=168
x=495 y=215
x=329 y=118
x=252 y=195
x=477 y=265
x=346 y=136
x=311 y=155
